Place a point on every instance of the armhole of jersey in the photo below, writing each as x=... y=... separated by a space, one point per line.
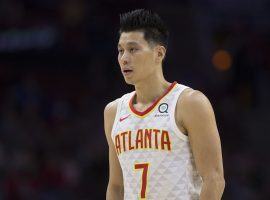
x=173 y=119
x=115 y=123
x=118 y=111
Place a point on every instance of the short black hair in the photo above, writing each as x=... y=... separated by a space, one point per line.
x=148 y=22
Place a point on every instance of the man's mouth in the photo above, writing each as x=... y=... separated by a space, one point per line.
x=127 y=71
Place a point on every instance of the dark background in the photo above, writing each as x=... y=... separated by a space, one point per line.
x=58 y=70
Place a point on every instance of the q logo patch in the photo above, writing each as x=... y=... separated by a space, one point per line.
x=163 y=108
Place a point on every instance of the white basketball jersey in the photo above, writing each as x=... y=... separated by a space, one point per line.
x=155 y=156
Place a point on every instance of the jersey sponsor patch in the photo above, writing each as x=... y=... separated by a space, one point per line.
x=163 y=108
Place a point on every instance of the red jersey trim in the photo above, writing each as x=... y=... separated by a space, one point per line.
x=149 y=109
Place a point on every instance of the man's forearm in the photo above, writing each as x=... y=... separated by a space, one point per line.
x=115 y=193
x=212 y=189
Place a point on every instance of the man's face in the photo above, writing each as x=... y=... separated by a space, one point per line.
x=136 y=57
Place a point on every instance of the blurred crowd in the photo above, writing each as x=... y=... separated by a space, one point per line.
x=58 y=70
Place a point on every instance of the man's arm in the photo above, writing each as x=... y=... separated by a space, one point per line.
x=115 y=189
x=196 y=115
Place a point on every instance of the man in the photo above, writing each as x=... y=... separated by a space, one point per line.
x=163 y=139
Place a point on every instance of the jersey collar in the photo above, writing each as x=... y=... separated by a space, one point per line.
x=154 y=104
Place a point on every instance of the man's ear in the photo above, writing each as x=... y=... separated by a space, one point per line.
x=160 y=53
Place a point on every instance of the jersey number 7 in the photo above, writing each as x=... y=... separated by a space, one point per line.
x=144 y=168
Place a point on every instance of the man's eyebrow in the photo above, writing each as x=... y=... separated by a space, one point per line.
x=132 y=43
x=129 y=44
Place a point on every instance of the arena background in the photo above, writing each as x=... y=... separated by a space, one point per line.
x=58 y=70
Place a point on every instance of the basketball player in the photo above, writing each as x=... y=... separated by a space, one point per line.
x=163 y=139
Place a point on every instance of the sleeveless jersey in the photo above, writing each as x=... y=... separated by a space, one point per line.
x=155 y=156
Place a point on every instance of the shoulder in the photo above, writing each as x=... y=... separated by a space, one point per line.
x=190 y=98
x=192 y=103
x=110 y=110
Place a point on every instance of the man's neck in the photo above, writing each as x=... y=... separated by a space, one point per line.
x=151 y=89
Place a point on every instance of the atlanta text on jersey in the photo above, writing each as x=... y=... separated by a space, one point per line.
x=142 y=139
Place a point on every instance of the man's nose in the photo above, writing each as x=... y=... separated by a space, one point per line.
x=125 y=58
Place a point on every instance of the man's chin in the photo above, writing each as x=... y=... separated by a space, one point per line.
x=129 y=81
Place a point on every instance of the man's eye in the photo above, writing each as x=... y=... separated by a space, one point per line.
x=132 y=50
x=120 y=50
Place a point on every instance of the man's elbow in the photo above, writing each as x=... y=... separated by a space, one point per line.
x=216 y=179
x=220 y=182
x=116 y=187
x=115 y=192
